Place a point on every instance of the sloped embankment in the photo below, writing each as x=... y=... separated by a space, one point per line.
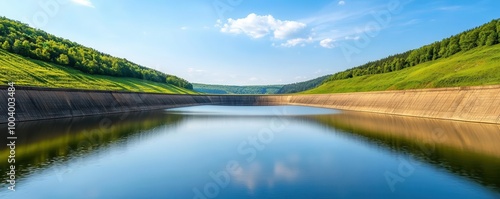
x=476 y=104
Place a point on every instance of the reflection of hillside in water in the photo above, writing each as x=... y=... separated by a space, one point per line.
x=42 y=143
x=468 y=149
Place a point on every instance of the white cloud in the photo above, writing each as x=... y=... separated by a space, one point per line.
x=287 y=29
x=324 y=29
x=327 y=43
x=257 y=26
x=84 y=3
x=184 y=28
x=297 y=41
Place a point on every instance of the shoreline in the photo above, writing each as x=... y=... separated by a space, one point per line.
x=472 y=104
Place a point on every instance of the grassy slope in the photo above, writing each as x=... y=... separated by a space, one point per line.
x=480 y=66
x=28 y=72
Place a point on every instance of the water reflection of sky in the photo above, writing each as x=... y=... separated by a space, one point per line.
x=309 y=156
x=259 y=174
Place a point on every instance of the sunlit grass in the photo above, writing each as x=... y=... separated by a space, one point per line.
x=480 y=66
x=28 y=72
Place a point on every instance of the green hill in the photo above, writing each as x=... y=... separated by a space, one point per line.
x=246 y=90
x=479 y=66
x=52 y=51
x=29 y=72
x=302 y=86
x=466 y=59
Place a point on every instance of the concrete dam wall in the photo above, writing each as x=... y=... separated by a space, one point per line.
x=477 y=104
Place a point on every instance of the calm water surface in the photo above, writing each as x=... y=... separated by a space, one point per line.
x=254 y=152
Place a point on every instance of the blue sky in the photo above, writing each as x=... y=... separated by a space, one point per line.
x=252 y=42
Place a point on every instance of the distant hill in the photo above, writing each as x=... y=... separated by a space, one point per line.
x=467 y=59
x=20 y=39
x=224 y=89
x=302 y=86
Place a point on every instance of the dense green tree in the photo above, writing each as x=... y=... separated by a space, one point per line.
x=2 y=29
x=6 y=46
x=498 y=31
x=17 y=47
x=37 y=44
x=399 y=64
x=387 y=68
x=47 y=55
x=481 y=41
x=301 y=86
x=413 y=58
x=468 y=40
x=453 y=46
x=443 y=48
x=22 y=47
x=435 y=50
x=492 y=39
x=224 y=89
x=487 y=34
x=485 y=31
x=63 y=59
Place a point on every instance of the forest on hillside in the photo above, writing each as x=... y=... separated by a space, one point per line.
x=485 y=35
x=242 y=90
x=302 y=86
x=26 y=41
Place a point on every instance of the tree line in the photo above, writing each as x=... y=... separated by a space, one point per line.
x=23 y=40
x=485 y=35
x=302 y=86
x=225 y=89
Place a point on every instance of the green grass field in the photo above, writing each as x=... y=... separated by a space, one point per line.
x=479 y=66
x=28 y=72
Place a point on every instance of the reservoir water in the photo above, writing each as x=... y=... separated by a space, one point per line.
x=236 y=152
